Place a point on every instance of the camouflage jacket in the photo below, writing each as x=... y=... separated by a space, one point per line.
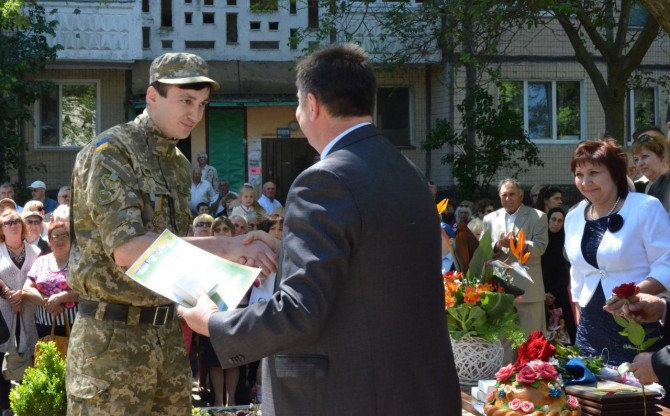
x=129 y=181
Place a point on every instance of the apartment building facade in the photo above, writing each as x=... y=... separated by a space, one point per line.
x=249 y=129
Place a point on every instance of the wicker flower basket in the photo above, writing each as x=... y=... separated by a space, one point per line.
x=477 y=359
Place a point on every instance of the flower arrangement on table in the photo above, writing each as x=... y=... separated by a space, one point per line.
x=532 y=383
x=476 y=299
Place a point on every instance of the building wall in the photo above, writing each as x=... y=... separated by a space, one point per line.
x=58 y=163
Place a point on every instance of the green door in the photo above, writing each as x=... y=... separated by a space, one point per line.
x=225 y=135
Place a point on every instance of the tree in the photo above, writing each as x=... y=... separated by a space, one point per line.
x=24 y=53
x=605 y=26
x=501 y=143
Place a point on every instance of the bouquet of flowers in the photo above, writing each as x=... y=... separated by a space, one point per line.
x=476 y=301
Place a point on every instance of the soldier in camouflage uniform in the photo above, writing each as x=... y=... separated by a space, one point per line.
x=126 y=354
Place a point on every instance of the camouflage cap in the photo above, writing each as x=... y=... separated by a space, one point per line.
x=180 y=68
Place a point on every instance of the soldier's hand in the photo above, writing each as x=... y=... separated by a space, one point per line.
x=197 y=317
x=260 y=250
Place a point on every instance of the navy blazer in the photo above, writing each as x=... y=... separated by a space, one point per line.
x=357 y=325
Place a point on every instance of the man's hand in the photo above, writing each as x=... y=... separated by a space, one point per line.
x=642 y=368
x=261 y=250
x=644 y=308
x=197 y=317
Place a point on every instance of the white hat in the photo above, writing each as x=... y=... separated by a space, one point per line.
x=26 y=214
x=37 y=184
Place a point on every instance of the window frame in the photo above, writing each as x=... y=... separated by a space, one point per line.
x=411 y=116
x=37 y=111
x=554 y=122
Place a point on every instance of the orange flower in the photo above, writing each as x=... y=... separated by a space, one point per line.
x=518 y=247
x=449 y=301
x=485 y=287
x=451 y=287
x=471 y=296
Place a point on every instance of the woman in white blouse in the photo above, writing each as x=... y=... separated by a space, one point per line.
x=16 y=258
x=611 y=237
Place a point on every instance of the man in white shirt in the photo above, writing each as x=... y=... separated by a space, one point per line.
x=201 y=190
x=505 y=225
x=267 y=199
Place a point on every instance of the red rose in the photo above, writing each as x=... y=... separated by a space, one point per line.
x=535 y=348
x=546 y=371
x=540 y=349
x=527 y=407
x=626 y=290
x=526 y=375
x=505 y=372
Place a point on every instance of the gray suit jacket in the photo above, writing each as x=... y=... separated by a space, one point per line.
x=357 y=325
x=535 y=227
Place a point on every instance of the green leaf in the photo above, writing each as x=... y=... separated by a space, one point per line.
x=648 y=343
x=635 y=333
x=623 y=322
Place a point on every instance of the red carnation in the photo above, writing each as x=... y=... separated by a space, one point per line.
x=626 y=290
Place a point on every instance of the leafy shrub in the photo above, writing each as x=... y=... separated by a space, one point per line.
x=42 y=391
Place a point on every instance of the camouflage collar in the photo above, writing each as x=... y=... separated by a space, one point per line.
x=158 y=142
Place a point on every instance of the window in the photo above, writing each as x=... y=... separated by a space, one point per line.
x=273 y=26
x=145 y=6
x=166 y=13
x=166 y=43
x=208 y=18
x=643 y=107
x=264 y=5
x=293 y=39
x=293 y=7
x=188 y=18
x=231 y=2
x=392 y=115
x=312 y=14
x=146 y=37
x=231 y=27
x=638 y=16
x=254 y=25
x=209 y=2
x=263 y=44
x=551 y=110
x=68 y=115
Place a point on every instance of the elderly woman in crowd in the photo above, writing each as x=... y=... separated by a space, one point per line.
x=223 y=226
x=46 y=286
x=202 y=225
x=16 y=258
x=649 y=154
x=612 y=237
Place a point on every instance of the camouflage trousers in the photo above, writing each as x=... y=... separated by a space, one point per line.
x=118 y=369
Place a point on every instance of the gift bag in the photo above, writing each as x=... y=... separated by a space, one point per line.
x=14 y=364
x=60 y=341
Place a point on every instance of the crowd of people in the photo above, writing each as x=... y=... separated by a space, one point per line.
x=301 y=318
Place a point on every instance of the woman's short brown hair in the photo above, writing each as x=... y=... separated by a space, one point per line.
x=4 y=217
x=605 y=153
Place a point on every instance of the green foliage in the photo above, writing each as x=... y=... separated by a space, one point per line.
x=42 y=391
x=24 y=53
x=501 y=144
x=635 y=333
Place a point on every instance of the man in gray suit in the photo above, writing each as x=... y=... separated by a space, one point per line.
x=357 y=323
x=505 y=224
